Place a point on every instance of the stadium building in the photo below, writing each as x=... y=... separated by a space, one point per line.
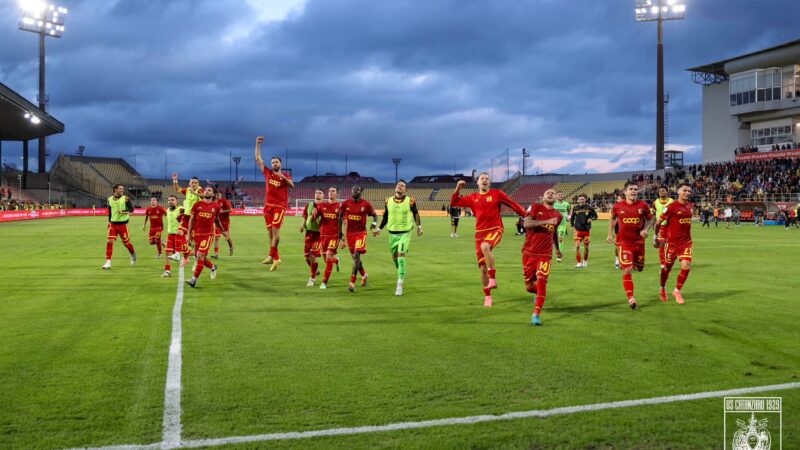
x=750 y=102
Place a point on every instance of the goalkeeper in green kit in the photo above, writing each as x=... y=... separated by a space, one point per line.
x=399 y=217
x=565 y=209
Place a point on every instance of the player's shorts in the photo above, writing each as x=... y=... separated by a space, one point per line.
x=118 y=229
x=535 y=266
x=154 y=234
x=202 y=243
x=400 y=242
x=357 y=242
x=454 y=221
x=631 y=256
x=176 y=244
x=217 y=231
x=582 y=236
x=312 y=245
x=677 y=252
x=273 y=216
x=492 y=237
x=226 y=225
x=329 y=244
x=562 y=229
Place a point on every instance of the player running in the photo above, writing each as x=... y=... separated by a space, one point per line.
x=225 y=209
x=277 y=185
x=613 y=222
x=485 y=205
x=541 y=238
x=119 y=211
x=176 y=241
x=660 y=234
x=312 y=244
x=455 y=215
x=354 y=215
x=564 y=208
x=155 y=214
x=581 y=219
x=205 y=216
x=329 y=232
x=399 y=216
x=192 y=194
x=635 y=220
x=678 y=222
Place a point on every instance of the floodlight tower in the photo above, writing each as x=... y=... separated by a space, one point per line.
x=45 y=20
x=659 y=11
x=396 y=162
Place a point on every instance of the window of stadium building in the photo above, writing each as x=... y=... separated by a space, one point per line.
x=760 y=85
x=772 y=135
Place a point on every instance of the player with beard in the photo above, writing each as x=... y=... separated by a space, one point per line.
x=277 y=186
x=354 y=218
x=564 y=208
x=581 y=219
x=329 y=232
x=176 y=240
x=225 y=209
x=119 y=212
x=154 y=214
x=541 y=237
x=660 y=235
x=312 y=245
x=205 y=216
x=399 y=216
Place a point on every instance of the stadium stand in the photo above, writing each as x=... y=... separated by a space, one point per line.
x=570 y=189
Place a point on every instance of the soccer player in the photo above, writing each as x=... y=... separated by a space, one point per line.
x=277 y=185
x=329 y=232
x=205 y=215
x=541 y=237
x=119 y=211
x=581 y=219
x=455 y=214
x=176 y=240
x=678 y=220
x=313 y=246
x=613 y=221
x=399 y=216
x=660 y=235
x=635 y=220
x=225 y=209
x=192 y=194
x=354 y=216
x=155 y=214
x=485 y=205
x=564 y=208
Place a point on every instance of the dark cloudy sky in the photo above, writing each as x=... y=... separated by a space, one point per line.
x=445 y=84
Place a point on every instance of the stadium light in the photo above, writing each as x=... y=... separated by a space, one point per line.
x=44 y=19
x=396 y=162
x=657 y=11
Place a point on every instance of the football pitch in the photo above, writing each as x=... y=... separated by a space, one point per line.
x=84 y=354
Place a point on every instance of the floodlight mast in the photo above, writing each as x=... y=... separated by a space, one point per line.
x=647 y=11
x=45 y=20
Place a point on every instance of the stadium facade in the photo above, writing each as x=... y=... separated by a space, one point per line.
x=751 y=100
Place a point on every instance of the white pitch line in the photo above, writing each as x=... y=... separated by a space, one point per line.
x=171 y=437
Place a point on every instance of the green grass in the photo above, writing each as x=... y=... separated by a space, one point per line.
x=84 y=352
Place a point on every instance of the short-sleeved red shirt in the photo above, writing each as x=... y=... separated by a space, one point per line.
x=329 y=218
x=486 y=207
x=205 y=215
x=539 y=240
x=156 y=216
x=355 y=214
x=631 y=219
x=276 y=188
x=679 y=223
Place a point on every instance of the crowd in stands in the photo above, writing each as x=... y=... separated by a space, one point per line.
x=774 y=148
x=22 y=205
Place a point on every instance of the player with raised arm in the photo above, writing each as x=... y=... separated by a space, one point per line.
x=660 y=235
x=635 y=220
x=277 y=186
x=329 y=232
x=176 y=239
x=205 y=216
x=119 y=211
x=581 y=219
x=485 y=205
x=541 y=237
x=154 y=214
x=400 y=214
x=564 y=208
x=225 y=209
x=678 y=246
x=353 y=216
x=312 y=248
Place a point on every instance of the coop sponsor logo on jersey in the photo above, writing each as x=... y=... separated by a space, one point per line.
x=631 y=220
x=275 y=183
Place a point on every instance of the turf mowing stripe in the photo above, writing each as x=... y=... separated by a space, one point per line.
x=171 y=437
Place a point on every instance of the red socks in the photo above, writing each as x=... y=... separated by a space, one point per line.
x=158 y=246
x=665 y=275
x=273 y=251
x=129 y=246
x=682 y=278
x=487 y=292
x=627 y=283
x=328 y=270
x=541 y=292
x=208 y=263
x=492 y=272
x=352 y=278
x=198 y=269
x=109 y=249
x=362 y=271
x=314 y=267
x=167 y=267
x=578 y=255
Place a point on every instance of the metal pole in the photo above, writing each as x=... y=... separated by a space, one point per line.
x=42 y=160
x=230 y=163
x=48 y=193
x=316 y=164
x=1 y=157
x=660 y=94
x=24 y=179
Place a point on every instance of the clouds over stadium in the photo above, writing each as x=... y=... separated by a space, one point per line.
x=445 y=85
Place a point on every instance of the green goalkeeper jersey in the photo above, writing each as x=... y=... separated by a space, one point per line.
x=563 y=207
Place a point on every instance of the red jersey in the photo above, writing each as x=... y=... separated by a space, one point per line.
x=277 y=189
x=155 y=215
x=205 y=215
x=486 y=207
x=631 y=220
x=355 y=214
x=679 y=223
x=539 y=240
x=224 y=204
x=329 y=218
